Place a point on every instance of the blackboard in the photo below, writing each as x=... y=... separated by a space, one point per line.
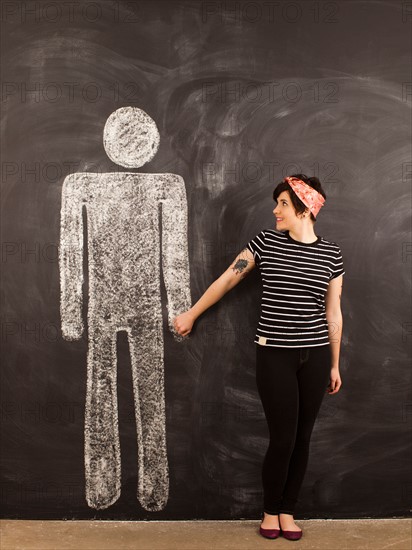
x=243 y=94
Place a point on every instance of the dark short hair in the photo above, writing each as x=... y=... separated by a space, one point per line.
x=297 y=203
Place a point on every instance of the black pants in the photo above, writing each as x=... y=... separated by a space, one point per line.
x=291 y=383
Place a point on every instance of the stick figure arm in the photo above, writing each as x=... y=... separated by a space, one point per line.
x=71 y=259
x=175 y=256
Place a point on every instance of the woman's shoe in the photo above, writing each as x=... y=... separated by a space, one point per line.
x=292 y=535
x=268 y=533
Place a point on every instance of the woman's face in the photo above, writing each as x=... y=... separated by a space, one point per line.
x=284 y=212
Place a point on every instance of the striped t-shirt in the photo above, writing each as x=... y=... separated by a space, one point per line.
x=295 y=278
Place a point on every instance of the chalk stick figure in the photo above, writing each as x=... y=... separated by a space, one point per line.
x=124 y=258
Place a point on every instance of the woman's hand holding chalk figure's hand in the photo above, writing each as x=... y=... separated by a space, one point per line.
x=183 y=323
x=236 y=272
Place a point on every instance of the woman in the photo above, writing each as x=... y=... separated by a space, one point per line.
x=297 y=339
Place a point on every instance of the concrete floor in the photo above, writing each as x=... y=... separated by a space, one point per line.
x=391 y=534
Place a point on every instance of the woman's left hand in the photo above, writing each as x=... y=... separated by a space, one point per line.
x=335 y=381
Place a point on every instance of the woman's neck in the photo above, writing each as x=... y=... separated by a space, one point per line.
x=304 y=234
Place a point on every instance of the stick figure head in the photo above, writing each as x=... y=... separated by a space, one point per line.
x=130 y=137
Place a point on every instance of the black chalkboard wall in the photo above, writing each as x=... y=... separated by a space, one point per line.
x=242 y=93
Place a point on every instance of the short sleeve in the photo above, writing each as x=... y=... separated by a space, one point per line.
x=338 y=268
x=256 y=246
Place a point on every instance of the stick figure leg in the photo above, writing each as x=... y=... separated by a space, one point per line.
x=147 y=358
x=102 y=446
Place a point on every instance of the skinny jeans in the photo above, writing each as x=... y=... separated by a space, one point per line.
x=291 y=383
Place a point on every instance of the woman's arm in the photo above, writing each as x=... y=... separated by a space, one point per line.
x=334 y=317
x=236 y=272
x=335 y=326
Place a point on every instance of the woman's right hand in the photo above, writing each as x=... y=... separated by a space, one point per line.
x=183 y=323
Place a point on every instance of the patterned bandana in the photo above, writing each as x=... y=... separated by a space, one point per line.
x=309 y=196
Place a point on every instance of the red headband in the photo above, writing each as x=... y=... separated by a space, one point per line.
x=309 y=196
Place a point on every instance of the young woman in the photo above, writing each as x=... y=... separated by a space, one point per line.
x=297 y=340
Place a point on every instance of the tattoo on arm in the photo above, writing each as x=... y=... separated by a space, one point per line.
x=240 y=266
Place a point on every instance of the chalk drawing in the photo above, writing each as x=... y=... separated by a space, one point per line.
x=124 y=260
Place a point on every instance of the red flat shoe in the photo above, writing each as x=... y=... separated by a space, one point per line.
x=268 y=533
x=292 y=535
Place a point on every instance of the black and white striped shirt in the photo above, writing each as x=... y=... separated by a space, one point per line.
x=295 y=278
